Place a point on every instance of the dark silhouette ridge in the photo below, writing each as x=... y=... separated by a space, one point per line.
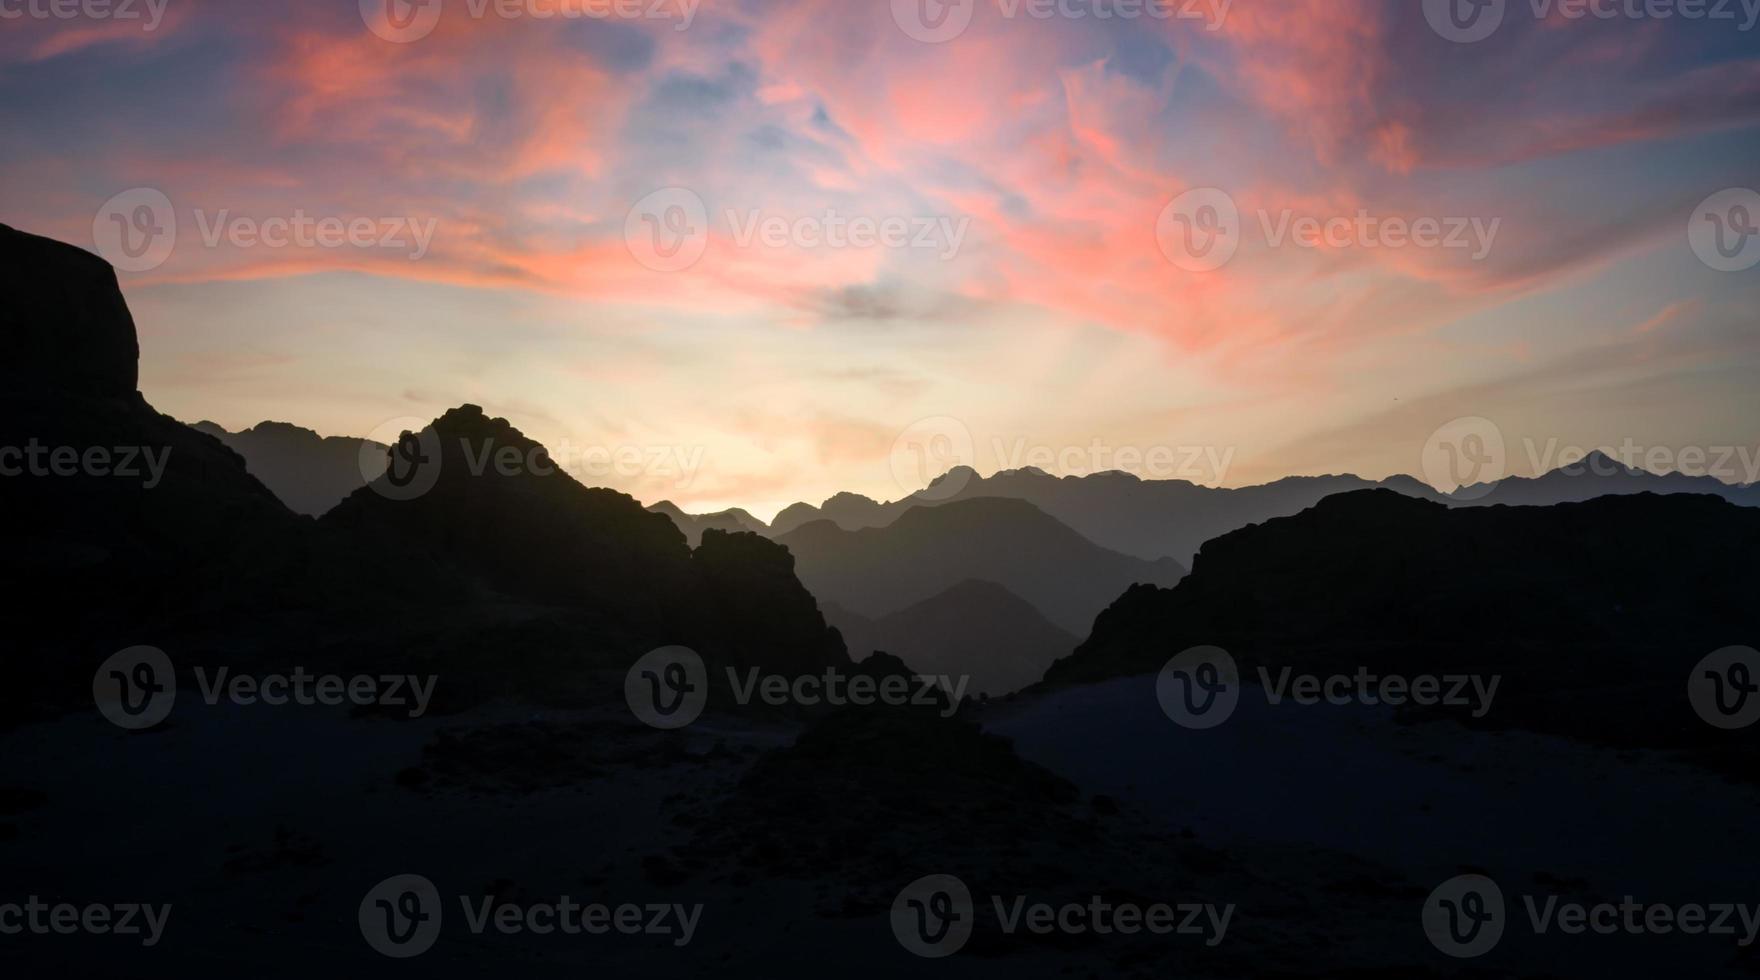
x=308 y=472
x=527 y=530
x=202 y=559
x=976 y=629
x=1593 y=612
x=128 y=523
x=929 y=550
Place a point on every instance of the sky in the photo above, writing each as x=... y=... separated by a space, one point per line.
x=745 y=253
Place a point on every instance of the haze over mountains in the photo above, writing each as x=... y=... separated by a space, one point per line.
x=309 y=472
x=976 y=628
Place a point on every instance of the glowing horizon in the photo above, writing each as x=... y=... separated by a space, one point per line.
x=782 y=235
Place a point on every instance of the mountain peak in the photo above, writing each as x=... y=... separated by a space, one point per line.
x=66 y=327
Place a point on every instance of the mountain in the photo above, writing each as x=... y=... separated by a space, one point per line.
x=529 y=531
x=1594 y=613
x=1597 y=475
x=693 y=525
x=134 y=528
x=928 y=550
x=1149 y=519
x=308 y=472
x=126 y=523
x=976 y=629
x=850 y=511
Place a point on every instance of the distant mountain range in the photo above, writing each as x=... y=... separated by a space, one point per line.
x=1598 y=475
x=976 y=629
x=928 y=550
x=309 y=472
x=693 y=525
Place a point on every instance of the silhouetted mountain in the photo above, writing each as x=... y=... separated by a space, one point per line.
x=975 y=629
x=1146 y=518
x=1594 y=613
x=308 y=472
x=141 y=529
x=126 y=522
x=487 y=503
x=693 y=525
x=1597 y=475
x=929 y=550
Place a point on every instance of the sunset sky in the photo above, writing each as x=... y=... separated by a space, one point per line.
x=1032 y=303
